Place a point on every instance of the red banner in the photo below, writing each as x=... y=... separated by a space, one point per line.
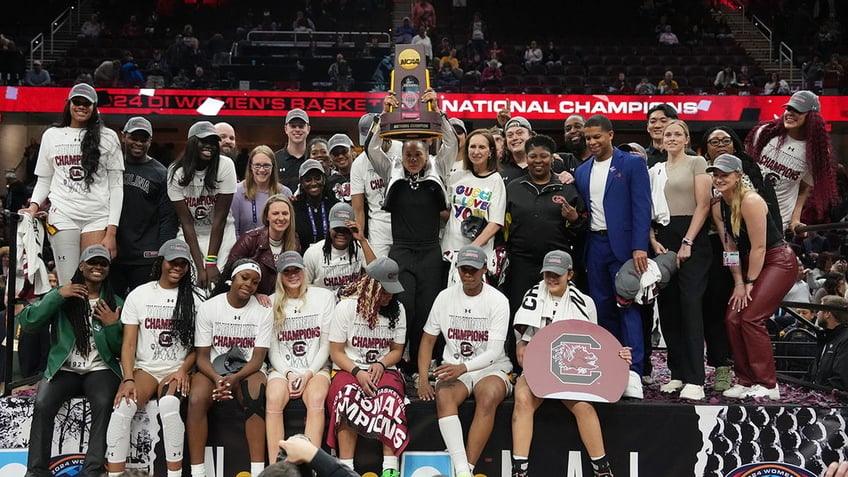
x=465 y=106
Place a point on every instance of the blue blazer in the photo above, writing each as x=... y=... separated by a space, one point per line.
x=627 y=202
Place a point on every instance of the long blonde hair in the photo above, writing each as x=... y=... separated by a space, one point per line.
x=740 y=191
x=250 y=183
x=281 y=297
x=289 y=234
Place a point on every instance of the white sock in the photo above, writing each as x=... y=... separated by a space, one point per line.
x=198 y=470
x=115 y=474
x=347 y=462
x=175 y=473
x=256 y=468
x=451 y=429
x=390 y=462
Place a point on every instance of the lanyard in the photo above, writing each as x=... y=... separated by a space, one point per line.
x=315 y=236
x=254 y=211
x=725 y=217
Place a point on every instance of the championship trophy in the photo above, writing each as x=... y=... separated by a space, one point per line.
x=410 y=78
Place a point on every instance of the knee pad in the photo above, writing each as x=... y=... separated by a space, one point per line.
x=253 y=406
x=173 y=428
x=118 y=432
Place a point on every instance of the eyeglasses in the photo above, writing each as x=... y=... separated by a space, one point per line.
x=725 y=141
x=81 y=102
x=261 y=167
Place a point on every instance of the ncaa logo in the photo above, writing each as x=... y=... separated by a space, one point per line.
x=76 y=173
x=166 y=339
x=299 y=348
x=409 y=59
x=573 y=360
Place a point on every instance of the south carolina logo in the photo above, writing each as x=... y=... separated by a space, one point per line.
x=200 y=213
x=573 y=359
x=299 y=348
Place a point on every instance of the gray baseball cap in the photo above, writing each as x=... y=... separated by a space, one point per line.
x=340 y=213
x=202 y=129
x=365 y=123
x=309 y=165
x=385 y=270
x=290 y=258
x=138 y=123
x=472 y=256
x=804 y=101
x=458 y=123
x=83 y=90
x=518 y=121
x=557 y=261
x=337 y=140
x=174 y=249
x=297 y=113
x=94 y=251
x=726 y=163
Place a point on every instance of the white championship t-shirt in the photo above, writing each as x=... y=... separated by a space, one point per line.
x=339 y=273
x=539 y=308
x=221 y=326
x=362 y=344
x=364 y=180
x=468 y=323
x=785 y=168
x=201 y=205
x=304 y=341
x=151 y=308
x=60 y=157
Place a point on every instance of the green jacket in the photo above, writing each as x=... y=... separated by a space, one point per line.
x=48 y=312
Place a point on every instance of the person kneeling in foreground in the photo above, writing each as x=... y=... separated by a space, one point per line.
x=553 y=299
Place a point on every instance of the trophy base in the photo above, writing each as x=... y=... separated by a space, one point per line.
x=410 y=130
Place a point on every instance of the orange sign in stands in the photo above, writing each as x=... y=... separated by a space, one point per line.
x=576 y=360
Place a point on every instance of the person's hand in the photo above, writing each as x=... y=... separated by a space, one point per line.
x=640 y=261
x=32 y=210
x=74 y=290
x=202 y=282
x=376 y=371
x=568 y=212
x=299 y=449
x=180 y=379
x=624 y=353
x=212 y=274
x=105 y=314
x=355 y=231
x=683 y=254
x=297 y=383
x=263 y=299
x=111 y=245
x=794 y=225
x=504 y=114
x=363 y=377
x=390 y=102
x=565 y=177
x=658 y=248
x=224 y=388
x=425 y=391
x=740 y=297
x=430 y=96
x=448 y=372
x=837 y=469
x=126 y=391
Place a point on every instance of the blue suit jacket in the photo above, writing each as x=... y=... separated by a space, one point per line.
x=627 y=201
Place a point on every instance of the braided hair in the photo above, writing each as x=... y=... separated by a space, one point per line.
x=182 y=320
x=367 y=291
x=78 y=310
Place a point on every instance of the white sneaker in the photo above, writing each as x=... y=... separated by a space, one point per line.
x=693 y=392
x=758 y=391
x=634 y=386
x=737 y=391
x=672 y=386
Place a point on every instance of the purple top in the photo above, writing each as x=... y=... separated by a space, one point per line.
x=248 y=213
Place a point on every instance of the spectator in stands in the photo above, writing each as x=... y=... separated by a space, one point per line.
x=813 y=72
x=668 y=37
x=298 y=356
x=107 y=74
x=340 y=74
x=405 y=32
x=200 y=80
x=744 y=79
x=369 y=312
x=725 y=78
x=319 y=150
x=492 y=73
x=156 y=360
x=37 y=76
x=130 y=75
x=800 y=291
x=694 y=37
x=533 y=55
x=416 y=181
x=83 y=358
x=668 y=85
x=765 y=274
x=539 y=308
x=224 y=372
x=687 y=192
x=176 y=54
x=132 y=28
x=147 y=216
x=831 y=369
x=472 y=66
x=619 y=223
x=92 y=28
x=289 y=159
x=312 y=203
x=645 y=86
x=776 y=85
x=157 y=70
x=478 y=33
x=622 y=84
x=834 y=67
x=201 y=185
x=834 y=284
x=424 y=39
x=452 y=59
x=476 y=366
x=302 y=23
x=85 y=196
x=423 y=15
x=341 y=153
x=495 y=52
x=552 y=56
x=181 y=80
x=447 y=76
x=265 y=244
x=260 y=182
x=795 y=152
